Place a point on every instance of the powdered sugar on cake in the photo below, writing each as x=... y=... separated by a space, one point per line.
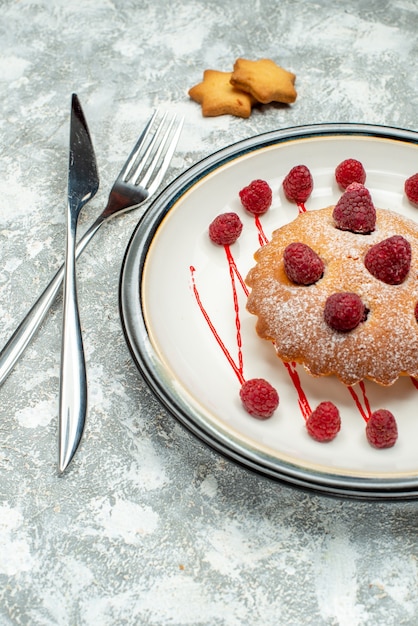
x=381 y=348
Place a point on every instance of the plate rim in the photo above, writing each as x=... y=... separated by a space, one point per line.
x=152 y=369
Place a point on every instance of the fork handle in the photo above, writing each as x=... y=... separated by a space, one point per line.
x=28 y=327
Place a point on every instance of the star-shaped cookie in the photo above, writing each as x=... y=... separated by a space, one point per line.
x=264 y=80
x=218 y=96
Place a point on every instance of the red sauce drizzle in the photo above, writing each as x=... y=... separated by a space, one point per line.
x=261 y=234
x=238 y=369
x=302 y=399
x=233 y=269
x=365 y=411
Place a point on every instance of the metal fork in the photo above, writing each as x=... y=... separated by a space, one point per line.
x=137 y=181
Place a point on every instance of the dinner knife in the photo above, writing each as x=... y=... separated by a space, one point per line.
x=83 y=183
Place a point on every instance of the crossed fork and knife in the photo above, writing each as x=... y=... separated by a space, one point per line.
x=136 y=183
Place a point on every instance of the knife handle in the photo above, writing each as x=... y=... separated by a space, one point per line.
x=73 y=378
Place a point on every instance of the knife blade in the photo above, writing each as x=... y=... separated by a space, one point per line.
x=83 y=183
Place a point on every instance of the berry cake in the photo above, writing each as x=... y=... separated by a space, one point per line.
x=338 y=294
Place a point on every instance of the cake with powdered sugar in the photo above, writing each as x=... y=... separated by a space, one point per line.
x=339 y=295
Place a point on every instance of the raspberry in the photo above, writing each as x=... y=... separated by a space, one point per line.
x=355 y=211
x=302 y=265
x=298 y=184
x=257 y=197
x=411 y=189
x=259 y=398
x=381 y=429
x=344 y=311
x=324 y=422
x=350 y=171
x=389 y=260
x=225 y=229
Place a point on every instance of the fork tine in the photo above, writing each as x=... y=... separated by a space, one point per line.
x=137 y=173
x=168 y=155
x=130 y=161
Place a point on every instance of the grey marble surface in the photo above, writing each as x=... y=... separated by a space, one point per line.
x=149 y=526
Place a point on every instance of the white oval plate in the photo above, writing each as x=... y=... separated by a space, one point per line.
x=177 y=353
